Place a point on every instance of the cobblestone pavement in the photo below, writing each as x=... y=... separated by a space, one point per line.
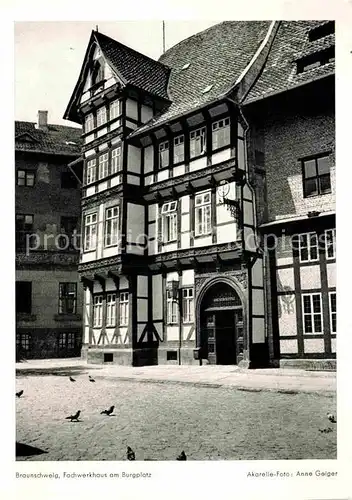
x=159 y=421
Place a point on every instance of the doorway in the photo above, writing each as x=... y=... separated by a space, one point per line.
x=221 y=332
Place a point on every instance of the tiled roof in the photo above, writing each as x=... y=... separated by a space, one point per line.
x=56 y=140
x=216 y=58
x=280 y=71
x=134 y=67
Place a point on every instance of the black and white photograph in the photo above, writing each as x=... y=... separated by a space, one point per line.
x=175 y=248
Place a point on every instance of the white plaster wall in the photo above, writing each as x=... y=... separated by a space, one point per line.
x=134 y=159
x=157 y=297
x=310 y=277
x=221 y=156
x=314 y=345
x=288 y=346
x=198 y=164
x=142 y=286
x=331 y=272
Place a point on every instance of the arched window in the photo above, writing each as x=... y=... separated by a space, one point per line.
x=98 y=72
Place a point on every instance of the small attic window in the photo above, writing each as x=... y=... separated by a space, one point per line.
x=315 y=60
x=186 y=66
x=98 y=72
x=209 y=87
x=322 y=31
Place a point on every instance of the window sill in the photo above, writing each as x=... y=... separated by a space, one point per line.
x=316 y=195
x=203 y=235
x=67 y=317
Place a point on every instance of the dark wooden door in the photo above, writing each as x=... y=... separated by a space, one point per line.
x=209 y=337
x=225 y=338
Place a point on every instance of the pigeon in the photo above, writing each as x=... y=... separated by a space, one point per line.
x=107 y=412
x=329 y=429
x=72 y=379
x=74 y=417
x=19 y=394
x=332 y=418
x=91 y=379
x=130 y=454
x=182 y=456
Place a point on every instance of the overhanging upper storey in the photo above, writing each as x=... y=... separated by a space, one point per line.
x=110 y=66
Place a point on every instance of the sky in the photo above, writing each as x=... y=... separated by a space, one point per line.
x=49 y=56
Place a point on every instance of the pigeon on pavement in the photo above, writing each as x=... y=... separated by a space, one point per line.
x=107 y=412
x=19 y=394
x=74 y=417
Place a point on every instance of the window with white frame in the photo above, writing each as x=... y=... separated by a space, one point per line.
x=89 y=123
x=111 y=309
x=164 y=154
x=98 y=311
x=116 y=160
x=188 y=305
x=67 y=341
x=91 y=171
x=101 y=116
x=332 y=301
x=221 y=133
x=169 y=221
x=308 y=247
x=197 y=145
x=103 y=165
x=179 y=149
x=312 y=313
x=202 y=205
x=172 y=308
x=114 y=109
x=90 y=232
x=23 y=341
x=330 y=243
x=111 y=226
x=123 y=309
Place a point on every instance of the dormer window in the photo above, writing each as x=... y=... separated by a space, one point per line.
x=316 y=59
x=322 y=31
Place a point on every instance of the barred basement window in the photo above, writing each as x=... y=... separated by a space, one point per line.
x=172 y=309
x=332 y=299
x=308 y=247
x=164 y=159
x=98 y=311
x=188 y=305
x=221 y=133
x=316 y=176
x=203 y=213
x=103 y=165
x=179 y=149
x=111 y=226
x=115 y=160
x=330 y=243
x=197 y=143
x=114 y=109
x=25 y=178
x=312 y=313
x=91 y=171
x=111 y=309
x=89 y=123
x=169 y=221
x=90 y=232
x=67 y=298
x=101 y=116
x=124 y=308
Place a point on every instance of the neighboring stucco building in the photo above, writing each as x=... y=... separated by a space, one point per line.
x=185 y=165
x=47 y=206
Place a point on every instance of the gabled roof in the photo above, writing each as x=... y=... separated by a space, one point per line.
x=57 y=139
x=213 y=58
x=280 y=72
x=130 y=66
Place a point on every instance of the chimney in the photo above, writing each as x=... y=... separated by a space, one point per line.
x=42 y=122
